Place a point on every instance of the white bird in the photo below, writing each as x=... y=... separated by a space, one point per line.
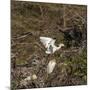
x=51 y=66
x=49 y=44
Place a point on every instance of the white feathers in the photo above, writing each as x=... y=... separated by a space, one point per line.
x=51 y=66
x=27 y=79
x=34 y=77
x=46 y=41
x=49 y=44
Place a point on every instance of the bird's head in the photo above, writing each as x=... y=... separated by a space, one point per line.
x=61 y=45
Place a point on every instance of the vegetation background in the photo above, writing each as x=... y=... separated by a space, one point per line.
x=68 y=24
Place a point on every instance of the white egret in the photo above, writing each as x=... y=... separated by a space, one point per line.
x=51 y=66
x=49 y=44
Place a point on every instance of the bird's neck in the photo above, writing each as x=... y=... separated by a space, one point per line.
x=59 y=47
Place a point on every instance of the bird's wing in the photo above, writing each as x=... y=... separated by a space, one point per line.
x=46 y=41
x=52 y=42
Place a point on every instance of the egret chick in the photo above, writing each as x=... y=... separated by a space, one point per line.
x=51 y=66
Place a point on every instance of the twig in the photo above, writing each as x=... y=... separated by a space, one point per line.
x=76 y=14
x=23 y=36
x=41 y=11
x=63 y=29
x=64 y=16
x=39 y=46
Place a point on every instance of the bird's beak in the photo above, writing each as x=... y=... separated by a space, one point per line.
x=63 y=45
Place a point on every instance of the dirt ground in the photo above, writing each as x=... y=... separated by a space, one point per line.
x=64 y=22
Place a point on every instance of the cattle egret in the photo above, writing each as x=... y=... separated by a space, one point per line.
x=51 y=66
x=49 y=44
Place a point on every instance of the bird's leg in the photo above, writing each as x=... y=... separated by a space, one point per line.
x=52 y=55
